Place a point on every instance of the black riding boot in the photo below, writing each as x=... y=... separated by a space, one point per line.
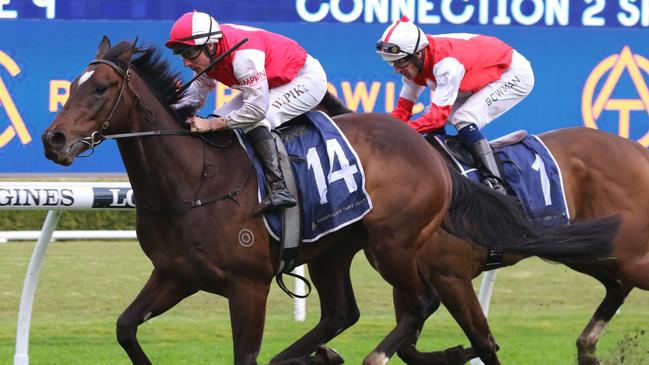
x=264 y=146
x=484 y=155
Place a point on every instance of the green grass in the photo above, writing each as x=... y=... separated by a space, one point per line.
x=537 y=312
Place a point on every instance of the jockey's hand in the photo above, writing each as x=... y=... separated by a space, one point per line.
x=198 y=124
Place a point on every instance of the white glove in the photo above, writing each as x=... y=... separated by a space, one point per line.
x=195 y=94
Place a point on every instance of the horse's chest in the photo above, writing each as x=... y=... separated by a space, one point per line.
x=187 y=260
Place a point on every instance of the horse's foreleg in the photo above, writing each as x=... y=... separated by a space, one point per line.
x=459 y=298
x=338 y=310
x=247 y=303
x=159 y=294
x=419 y=300
x=412 y=356
x=616 y=292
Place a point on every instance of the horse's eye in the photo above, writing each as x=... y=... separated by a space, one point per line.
x=100 y=89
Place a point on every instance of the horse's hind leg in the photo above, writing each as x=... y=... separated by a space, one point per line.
x=338 y=310
x=616 y=292
x=159 y=294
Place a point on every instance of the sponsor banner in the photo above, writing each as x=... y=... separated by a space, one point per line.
x=60 y=196
x=551 y=13
x=595 y=78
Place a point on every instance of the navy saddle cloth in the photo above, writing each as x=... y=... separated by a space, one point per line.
x=328 y=172
x=531 y=174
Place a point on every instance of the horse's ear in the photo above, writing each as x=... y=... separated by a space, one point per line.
x=103 y=48
x=126 y=55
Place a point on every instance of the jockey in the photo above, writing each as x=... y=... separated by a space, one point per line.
x=277 y=78
x=473 y=80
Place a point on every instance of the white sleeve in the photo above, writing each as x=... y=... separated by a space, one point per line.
x=196 y=93
x=250 y=71
x=448 y=73
x=410 y=90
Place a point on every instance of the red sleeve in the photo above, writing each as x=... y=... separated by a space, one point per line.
x=434 y=119
x=403 y=110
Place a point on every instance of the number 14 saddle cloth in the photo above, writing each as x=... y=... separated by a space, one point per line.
x=328 y=172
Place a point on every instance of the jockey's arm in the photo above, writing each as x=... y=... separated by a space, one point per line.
x=410 y=92
x=448 y=73
x=196 y=93
x=250 y=71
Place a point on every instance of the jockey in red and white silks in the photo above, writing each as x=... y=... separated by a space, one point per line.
x=278 y=81
x=473 y=80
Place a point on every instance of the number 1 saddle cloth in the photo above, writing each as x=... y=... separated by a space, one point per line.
x=530 y=172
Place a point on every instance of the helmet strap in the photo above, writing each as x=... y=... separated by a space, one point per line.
x=414 y=52
x=419 y=59
x=211 y=54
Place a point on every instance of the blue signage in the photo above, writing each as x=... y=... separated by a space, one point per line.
x=597 y=78
x=551 y=13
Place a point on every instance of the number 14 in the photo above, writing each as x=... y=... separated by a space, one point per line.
x=346 y=171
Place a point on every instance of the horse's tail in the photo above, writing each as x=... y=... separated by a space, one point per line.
x=492 y=220
x=331 y=106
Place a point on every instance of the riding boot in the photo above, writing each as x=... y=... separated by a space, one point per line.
x=264 y=146
x=484 y=155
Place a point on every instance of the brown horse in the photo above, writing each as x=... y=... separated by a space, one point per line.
x=195 y=202
x=603 y=174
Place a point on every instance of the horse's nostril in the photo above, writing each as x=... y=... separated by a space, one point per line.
x=56 y=139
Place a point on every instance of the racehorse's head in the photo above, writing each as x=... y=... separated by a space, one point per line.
x=100 y=98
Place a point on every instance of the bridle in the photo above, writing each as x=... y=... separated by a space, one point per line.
x=97 y=136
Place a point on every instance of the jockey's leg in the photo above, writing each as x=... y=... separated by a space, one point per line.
x=482 y=153
x=264 y=146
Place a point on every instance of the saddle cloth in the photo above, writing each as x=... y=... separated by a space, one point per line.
x=328 y=172
x=531 y=174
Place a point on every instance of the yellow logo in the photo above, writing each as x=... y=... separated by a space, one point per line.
x=593 y=105
x=17 y=125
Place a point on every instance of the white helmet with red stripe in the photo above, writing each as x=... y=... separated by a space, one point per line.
x=194 y=29
x=401 y=39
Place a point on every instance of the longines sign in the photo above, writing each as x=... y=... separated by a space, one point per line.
x=53 y=196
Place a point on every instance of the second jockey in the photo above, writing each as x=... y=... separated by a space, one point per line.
x=473 y=80
x=277 y=78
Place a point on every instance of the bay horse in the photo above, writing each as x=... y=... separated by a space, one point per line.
x=603 y=174
x=195 y=200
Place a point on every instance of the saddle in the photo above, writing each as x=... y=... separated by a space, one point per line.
x=529 y=170
x=454 y=147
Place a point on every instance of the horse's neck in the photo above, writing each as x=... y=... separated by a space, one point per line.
x=166 y=170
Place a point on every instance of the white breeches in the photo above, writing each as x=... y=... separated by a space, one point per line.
x=290 y=100
x=494 y=99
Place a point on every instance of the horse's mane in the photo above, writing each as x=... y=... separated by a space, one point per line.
x=154 y=70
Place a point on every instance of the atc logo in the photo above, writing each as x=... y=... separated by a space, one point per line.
x=594 y=102
x=17 y=126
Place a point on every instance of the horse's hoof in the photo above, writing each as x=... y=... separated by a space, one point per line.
x=326 y=356
x=376 y=358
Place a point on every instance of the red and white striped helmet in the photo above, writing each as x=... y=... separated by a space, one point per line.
x=402 y=38
x=194 y=29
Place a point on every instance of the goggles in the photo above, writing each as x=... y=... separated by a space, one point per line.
x=390 y=48
x=401 y=63
x=189 y=52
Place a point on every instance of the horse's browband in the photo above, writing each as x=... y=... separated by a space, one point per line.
x=111 y=64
